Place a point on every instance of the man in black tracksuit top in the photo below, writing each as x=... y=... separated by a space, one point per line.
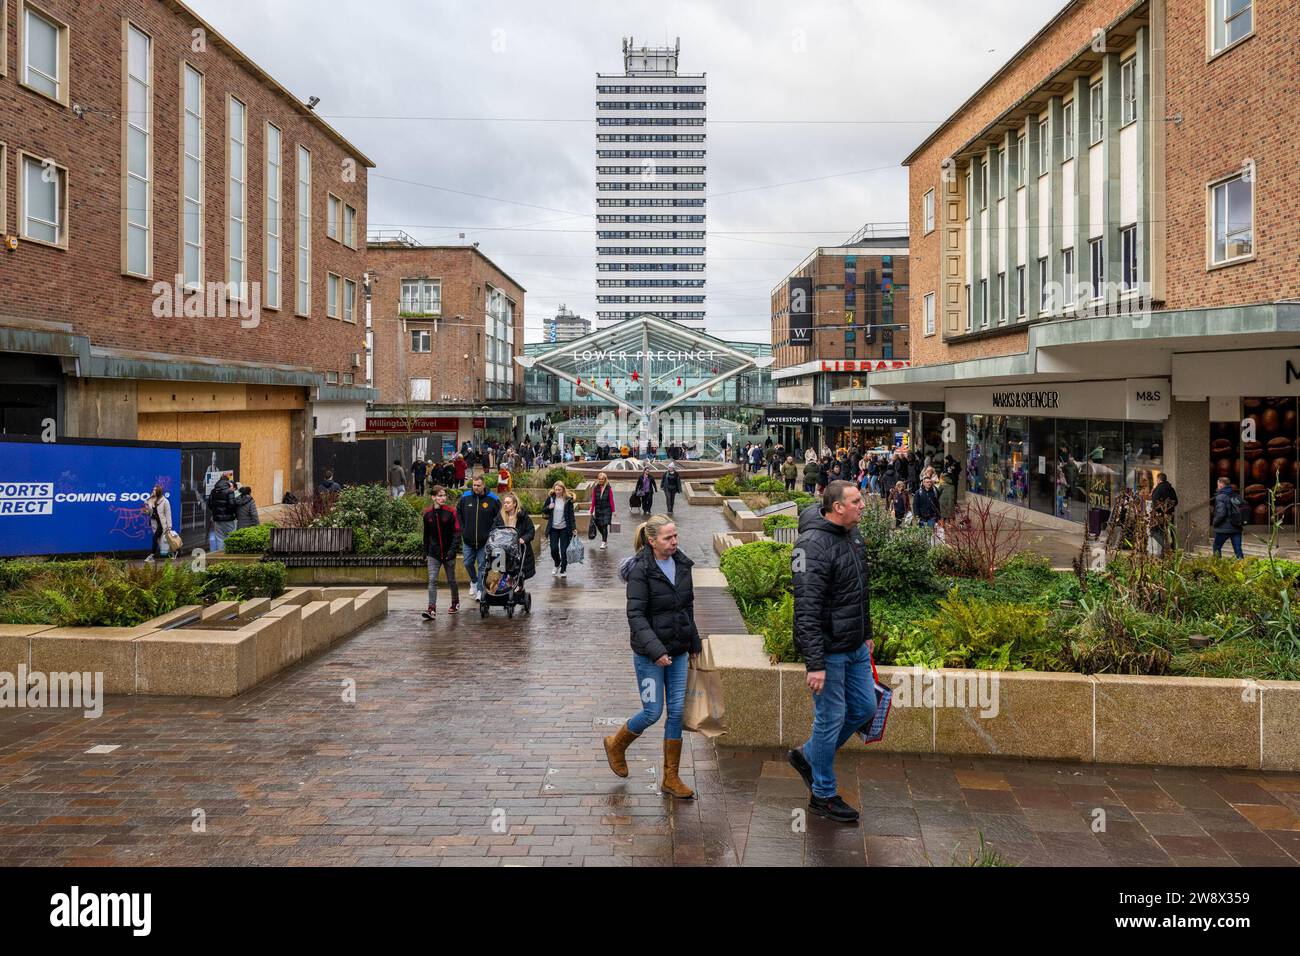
x=476 y=512
x=832 y=631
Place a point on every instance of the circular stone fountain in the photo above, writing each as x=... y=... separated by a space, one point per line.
x=631 y=468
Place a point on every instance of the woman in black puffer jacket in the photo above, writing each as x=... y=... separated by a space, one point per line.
x=661 y=613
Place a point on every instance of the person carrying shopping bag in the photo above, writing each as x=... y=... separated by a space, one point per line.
x=159 y=510
x=559 y=526
x=665 y=640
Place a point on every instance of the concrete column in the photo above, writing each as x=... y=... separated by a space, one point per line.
x=1187 y=462
x=100 y=408
x=1142 y=73
x=301 y=435
x=1082 y=189
x=976 y=245
x=1055 y=261
x=993 y=237
x=1111 y=248
x=1033 y=293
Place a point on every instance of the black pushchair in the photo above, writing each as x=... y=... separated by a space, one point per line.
x=503 y=577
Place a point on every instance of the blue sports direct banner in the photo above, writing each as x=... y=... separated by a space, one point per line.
x=79 y=499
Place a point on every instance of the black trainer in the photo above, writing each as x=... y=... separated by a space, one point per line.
x=833 y=809
x=801 y=764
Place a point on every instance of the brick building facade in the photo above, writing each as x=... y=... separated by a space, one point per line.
x=138 y=144
x=446 y=324
x=1103 y=262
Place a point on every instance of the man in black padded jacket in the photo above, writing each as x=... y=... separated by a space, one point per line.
x=832 y=630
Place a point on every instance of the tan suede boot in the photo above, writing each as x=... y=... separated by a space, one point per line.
x=616 y=746
x=672 y=783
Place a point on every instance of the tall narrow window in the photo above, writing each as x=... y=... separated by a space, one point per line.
x=331 y=295
x=1067 y=131
x=1233 y=219
x=928 y=210
x=1044 y=292
x=349 y=300
x=1128 y=243
x=139 y=152
x=1067 y=261
x=1002 y=297
x=1021 y=158
x=1044 y=148
x=349 y=226
x=984 y=302
x=192 y=180
x=1020 y=291
x=237 y=198
x=304 y=231
x=929 y=313
x=1128 y=90
x=333 y=205
x=44 y=54
x=43 y=203
x=1097 y=249
x=274 y=227
x=1097 y=112
x=970 y=308
x=1233 y=21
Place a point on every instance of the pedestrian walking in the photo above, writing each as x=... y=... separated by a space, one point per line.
x=645 y=489
x=947 y=499
x=396 y=479
x=328 y=485
x=504 y=480
x=246 y=509
x=832 y=631
x=789 y=472
x=512 y=515
x=1228 y=519
x=459 y=468
x=665 y=640
x=476 y=511
x=925 y=505
x=672 y=485
x=899 y=502
x=221 y=508
x=559 y=526
x=418 y=472
x=1164 y=504
x=441 y=542
x=811 y=474
x=159 y=510
x=602 y=508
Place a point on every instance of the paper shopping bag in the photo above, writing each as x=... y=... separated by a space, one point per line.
x=704 y=709
x=874 y=731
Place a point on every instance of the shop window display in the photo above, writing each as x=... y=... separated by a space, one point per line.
x=1071 y=468
x=1269 y=461
x=1042 y=465
x=1016 y=462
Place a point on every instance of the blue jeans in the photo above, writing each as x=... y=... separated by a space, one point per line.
x=846 y=703
x=650 y=679
x=926 y=522
x=475 y=562
x=1222 y=536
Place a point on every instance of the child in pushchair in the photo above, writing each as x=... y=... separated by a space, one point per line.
x=504 y=577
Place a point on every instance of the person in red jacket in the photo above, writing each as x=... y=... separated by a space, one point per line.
x=441 y=545
x=460 y=468
x=602 y=508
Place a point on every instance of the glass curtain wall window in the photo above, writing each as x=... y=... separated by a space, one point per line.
x=193 y=171
x=274 y=175
x=303 y=299
x=1233 y=219
x=237 y=199
x=139 y=151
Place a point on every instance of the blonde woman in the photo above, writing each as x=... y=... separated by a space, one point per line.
x=513 y=516
x=159 y=510
x=559 y=525
x=602 y=508
x=661 y=615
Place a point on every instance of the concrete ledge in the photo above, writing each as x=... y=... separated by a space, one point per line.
x=701 y=493
x=315 y=627
x=95 y=649
x=722 y=540
x=196 y=663
x=16 y=645
x=740 y=517
x=1116 y=719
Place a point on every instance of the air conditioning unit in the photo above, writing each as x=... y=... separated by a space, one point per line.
x=356 y=360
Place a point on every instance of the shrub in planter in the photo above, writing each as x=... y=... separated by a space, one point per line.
x=764 y=483
x=254 y=540
x=411 y=543
x=772 y=522
x=529 y=503
x=101 y=593
x=901 y=565
x=777 y=629
x=989 y=635
x=373 y=515
x=757 y=571
x=727 y=486
x=571 y=479
x=242 y=582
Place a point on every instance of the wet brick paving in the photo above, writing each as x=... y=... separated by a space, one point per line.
x=477 y=742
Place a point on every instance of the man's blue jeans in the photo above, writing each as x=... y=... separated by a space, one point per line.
x=650 y=680
x=1220 y=537
x=846 y=703
x=475 y=563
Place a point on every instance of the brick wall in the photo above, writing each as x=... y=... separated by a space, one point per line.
x=464 y=274
x=1242 y=104
x=84 y=285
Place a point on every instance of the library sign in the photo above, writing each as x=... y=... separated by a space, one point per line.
x=1132 y=399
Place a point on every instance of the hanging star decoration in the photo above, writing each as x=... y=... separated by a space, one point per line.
x=634 y=375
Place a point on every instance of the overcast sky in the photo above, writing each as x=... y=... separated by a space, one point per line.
x=390 y=72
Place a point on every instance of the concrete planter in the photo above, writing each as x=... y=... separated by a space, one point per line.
x=701 y=493
x=235 y=646
x=1171 y=721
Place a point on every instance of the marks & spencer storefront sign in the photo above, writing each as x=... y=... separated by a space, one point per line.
x=1132 y=399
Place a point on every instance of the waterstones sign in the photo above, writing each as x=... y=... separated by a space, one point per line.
x=1132 y=399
